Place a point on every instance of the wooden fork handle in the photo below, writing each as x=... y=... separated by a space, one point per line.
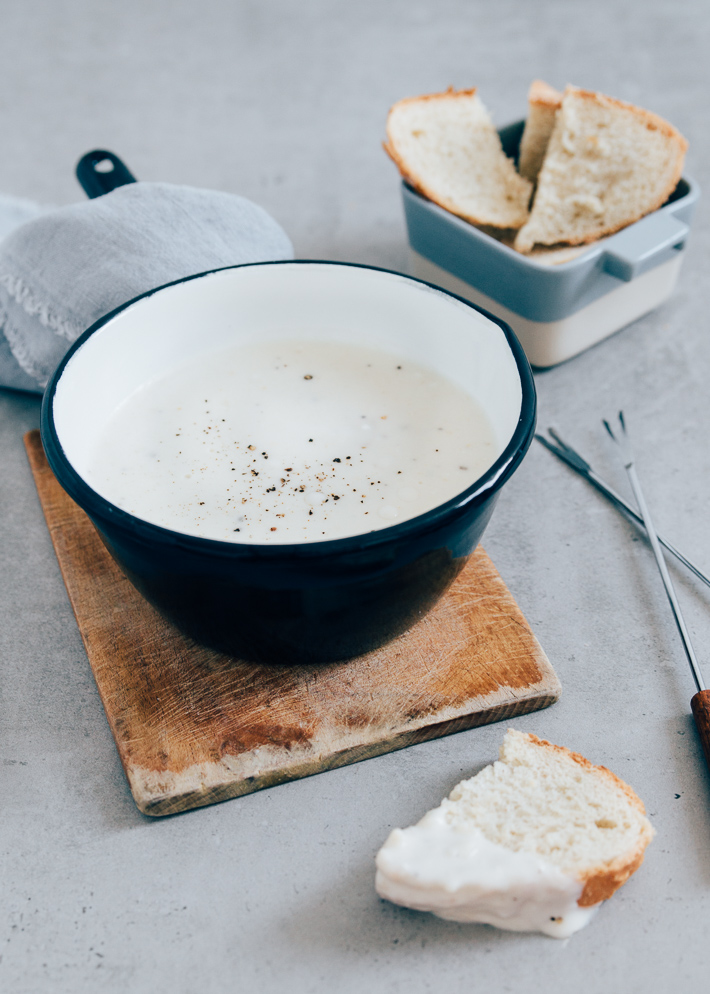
x=701 y=712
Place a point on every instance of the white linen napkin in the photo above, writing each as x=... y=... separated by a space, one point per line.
x=63 y=269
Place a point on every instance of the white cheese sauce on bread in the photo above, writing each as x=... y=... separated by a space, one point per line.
x=455 y=872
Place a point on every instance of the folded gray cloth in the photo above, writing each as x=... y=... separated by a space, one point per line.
x=66 y=268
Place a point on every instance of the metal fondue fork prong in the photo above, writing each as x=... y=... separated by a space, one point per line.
x=573 y=459
x=701 y=701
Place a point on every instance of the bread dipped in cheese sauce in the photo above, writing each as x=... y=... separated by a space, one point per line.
x=533 y=843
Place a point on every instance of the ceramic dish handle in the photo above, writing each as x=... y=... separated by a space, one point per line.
x=101 y=172
x=636 y=248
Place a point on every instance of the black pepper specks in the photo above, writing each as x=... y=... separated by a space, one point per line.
x=302 y=489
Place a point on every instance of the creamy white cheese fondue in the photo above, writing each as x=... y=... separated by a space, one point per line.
x=291 y=442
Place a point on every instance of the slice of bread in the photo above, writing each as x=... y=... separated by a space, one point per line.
x=607 y=164
x=446 y=147
x=532 y=843
x=543 y=103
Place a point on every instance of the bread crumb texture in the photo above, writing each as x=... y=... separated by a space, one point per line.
x=607 y=164
x=446 y=147
x=544 y=799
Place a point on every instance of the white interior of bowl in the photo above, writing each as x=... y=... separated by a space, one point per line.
x=312 y=301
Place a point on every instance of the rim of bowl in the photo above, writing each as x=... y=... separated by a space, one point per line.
x=115 y=517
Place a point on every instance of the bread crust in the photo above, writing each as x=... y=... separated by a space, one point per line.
x=653 y=121
x=601 y=882
x=543 y=95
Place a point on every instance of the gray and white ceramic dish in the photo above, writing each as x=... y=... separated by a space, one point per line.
x=556 y=308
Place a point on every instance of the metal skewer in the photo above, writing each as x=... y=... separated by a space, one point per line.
x=700 y=703
x=569 y=455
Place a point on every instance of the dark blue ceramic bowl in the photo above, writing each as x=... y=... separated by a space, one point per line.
x=300 y=603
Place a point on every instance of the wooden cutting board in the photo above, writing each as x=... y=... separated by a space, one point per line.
x=193 y=727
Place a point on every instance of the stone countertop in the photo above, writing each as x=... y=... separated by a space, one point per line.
x=285 y=103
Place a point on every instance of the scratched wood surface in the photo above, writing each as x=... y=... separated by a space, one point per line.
x=194 y=727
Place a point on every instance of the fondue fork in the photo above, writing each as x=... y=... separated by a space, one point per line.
x=569 y=455
x=700 y=702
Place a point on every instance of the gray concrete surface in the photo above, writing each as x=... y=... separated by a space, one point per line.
x=285 y=103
